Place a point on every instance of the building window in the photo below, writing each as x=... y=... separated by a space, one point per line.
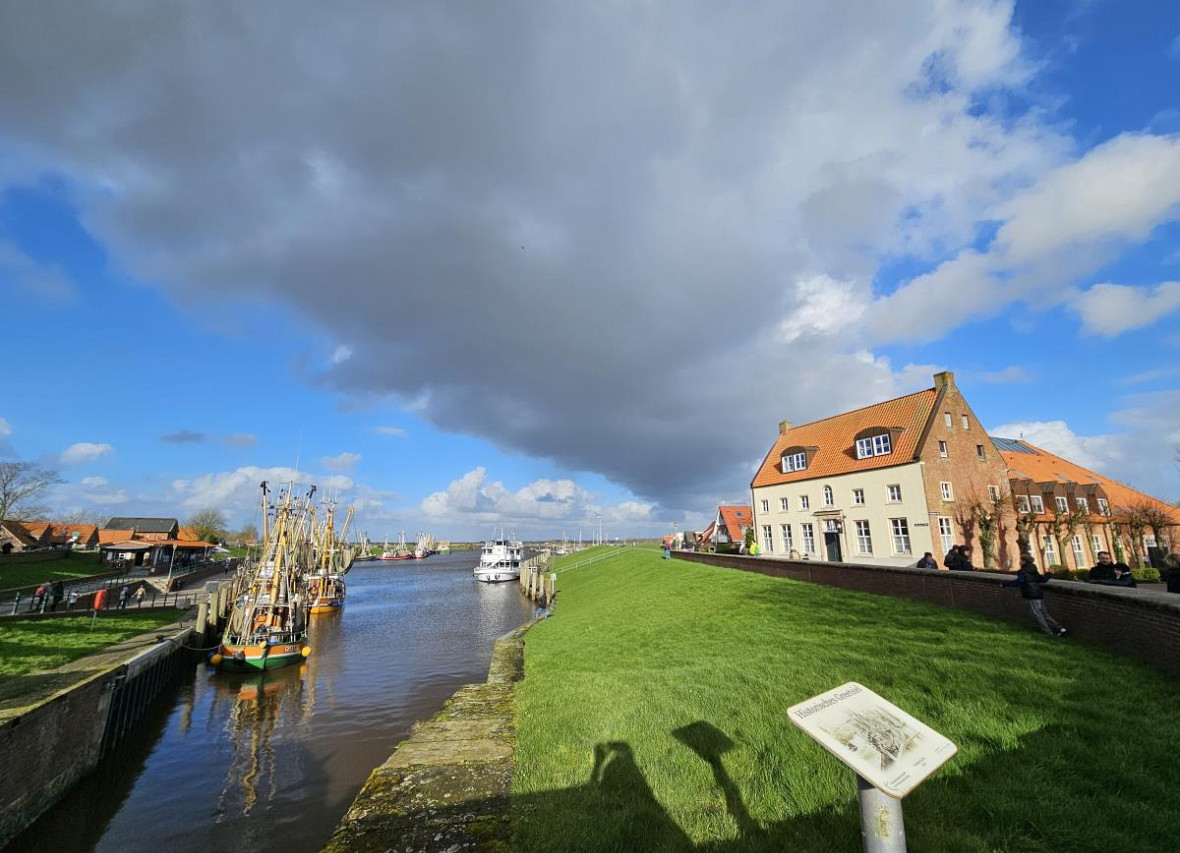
x=864 y=540
x=874 y=445
x=947 y=493
x=1022 y=504
x=804 y=502
x=766 y=506
x=1095 y=544
x=1038 y=505
x=993 y=492
x=794 y=462
x=979 y=454
x=901 y=535
x=946 y=419
x=942 y=451
x=858 y=497
x=1079 y=552
x=894 y=494
x=1050 y=551
x=782 y=504
x=946 y=533
x=1082 y=504
x=788 y=543
x=1062 y=504
x=808 y=538
x=1103 y=506
x=829 y=498
x=966 y=423
x=767 y=539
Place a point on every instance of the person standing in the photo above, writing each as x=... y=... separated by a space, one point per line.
x=1030 y=580
x=139 y=594
x=124 y=594
x=951 y=560
x=71 y=599
x=59 y=593
x=1110 y=573
x=927 y=562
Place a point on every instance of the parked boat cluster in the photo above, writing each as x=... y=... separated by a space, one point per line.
x=300 y=572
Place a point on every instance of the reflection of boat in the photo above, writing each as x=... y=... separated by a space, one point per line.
x=268 y=626
x=499 y=560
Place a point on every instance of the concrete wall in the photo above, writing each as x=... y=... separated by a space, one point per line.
x=1141 y=624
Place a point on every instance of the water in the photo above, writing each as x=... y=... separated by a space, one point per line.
x=271 y=762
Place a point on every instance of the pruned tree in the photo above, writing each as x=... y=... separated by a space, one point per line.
x=208 y=524
x=986 y=513
x=1065 y=527
x=1133 y=517
x=1159 y=520
x=1026 y=526
x=22 y=487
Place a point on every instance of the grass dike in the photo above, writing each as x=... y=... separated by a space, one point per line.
x=652 y=716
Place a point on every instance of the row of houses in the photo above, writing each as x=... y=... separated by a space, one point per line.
x=889 y=482
x=126 y=541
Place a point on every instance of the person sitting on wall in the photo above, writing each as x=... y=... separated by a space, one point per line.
x=927 y=562
x=1110 y=573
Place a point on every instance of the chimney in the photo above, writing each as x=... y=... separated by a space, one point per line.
x=944 y=379
x=783 y=426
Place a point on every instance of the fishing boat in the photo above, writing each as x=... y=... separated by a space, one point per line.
x=401 y=552
x=268 y=626
x=325 y=585
x=499 y=560
x=424 y=547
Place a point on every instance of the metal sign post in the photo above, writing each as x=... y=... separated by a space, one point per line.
x=890 y=752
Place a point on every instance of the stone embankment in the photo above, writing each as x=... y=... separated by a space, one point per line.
x=447 y=787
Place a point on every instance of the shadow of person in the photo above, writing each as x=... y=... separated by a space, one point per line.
x=710 y=743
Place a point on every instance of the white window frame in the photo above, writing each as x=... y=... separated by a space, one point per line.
x=1022 y=504
x=788 y=539
x=1079 y=551
x=966 y=422
x=858 y=497
x=864 y=448
x=1081 y=503
x=1103 y=506
x=946 y=533
x=829 y=496
x=946 y=419
x=766 y=506
x=948 y=491
x=805 y=501
x=864 y=538
x=1062 y=503
x=782 y=504
x=794 y=462
x=808 y=538
x=768 y=539
x=943 y=450
x=882 y=444
x=980 y=453
x=1038 y=503
x=993 y=492
x=1050 y=549
x=900 y=529
x=889 y=490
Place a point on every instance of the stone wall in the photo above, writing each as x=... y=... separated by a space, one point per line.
x=1139 y=623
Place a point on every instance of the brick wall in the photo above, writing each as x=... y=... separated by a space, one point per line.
x=1143 y=625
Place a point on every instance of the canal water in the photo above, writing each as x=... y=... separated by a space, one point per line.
x=271 y=762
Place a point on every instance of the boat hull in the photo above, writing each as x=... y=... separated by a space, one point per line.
x=258 y=658
x=496 y=575
x=326 y=605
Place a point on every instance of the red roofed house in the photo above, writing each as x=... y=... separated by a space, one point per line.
x=729 y=526
x=882 y=484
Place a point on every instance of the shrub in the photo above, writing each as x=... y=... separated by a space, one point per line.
x=1082 y=574
x=1059 y=571
x=1146 y=575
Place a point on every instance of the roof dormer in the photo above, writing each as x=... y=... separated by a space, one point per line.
x=876 y=441
x=796 y=458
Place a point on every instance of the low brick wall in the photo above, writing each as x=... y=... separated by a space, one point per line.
x=1139 y=623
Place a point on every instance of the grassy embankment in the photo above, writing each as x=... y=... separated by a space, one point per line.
x=653 y=717
x=36 y=645
x=27 y=571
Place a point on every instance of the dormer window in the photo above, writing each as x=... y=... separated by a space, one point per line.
x=797 y=458
x=876 y=442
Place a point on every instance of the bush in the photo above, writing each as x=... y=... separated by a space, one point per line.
x=1082 y=574
x=1146 y=575
x=1059 y=571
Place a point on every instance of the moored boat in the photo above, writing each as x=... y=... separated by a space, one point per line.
x=499 y=560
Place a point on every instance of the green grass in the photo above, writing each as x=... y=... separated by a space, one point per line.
x=653 y=717
x=18 y=572
x=36 y=645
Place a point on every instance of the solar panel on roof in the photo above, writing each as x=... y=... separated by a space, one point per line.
x=1011 y=445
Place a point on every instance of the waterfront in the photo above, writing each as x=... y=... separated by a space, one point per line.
x=271 y=762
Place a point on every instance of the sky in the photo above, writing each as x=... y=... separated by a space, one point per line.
x=475 y=265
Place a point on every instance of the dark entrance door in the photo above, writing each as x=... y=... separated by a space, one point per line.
x=832 y=546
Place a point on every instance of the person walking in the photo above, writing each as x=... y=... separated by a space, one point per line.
x=124 y=594
x=1110 y=573
x=71 y=599
x=139 y=594
x=59 y=594
x=1030 y=580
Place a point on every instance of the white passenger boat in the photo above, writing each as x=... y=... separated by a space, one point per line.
x=500 y=560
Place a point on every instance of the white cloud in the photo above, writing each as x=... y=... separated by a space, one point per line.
x=343 y=461
x=341 y=354
x=94 y=482
x=237 y=492
x=84 y=451
x=1111 y=309
x=1099 y=452
x=5 y=429
x=825 y=306
x=396 y=432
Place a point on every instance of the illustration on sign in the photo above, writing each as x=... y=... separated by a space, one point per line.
x=893 y=751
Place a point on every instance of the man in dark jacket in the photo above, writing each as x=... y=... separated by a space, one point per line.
x=1111 y=573
x=1030 y=580
x=951 y=560
x=959 y=559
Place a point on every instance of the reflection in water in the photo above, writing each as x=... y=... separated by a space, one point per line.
x=271 y=761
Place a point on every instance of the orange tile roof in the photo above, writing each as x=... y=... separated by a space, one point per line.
x=735 y=518
x=1041 y=466
x=36 y=529
x=105 y=536
x=183 y=532
x=64 y=532
x=836 y=439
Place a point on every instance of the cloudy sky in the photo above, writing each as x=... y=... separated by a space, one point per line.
x=467 y=264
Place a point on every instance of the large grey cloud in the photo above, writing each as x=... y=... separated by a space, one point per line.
x=599 y=226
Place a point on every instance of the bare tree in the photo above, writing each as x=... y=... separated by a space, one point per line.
x=208 y=524
x=22 y=486
x=1026 y=526
x=1065 y=526
x=984 y=512
x=1135 y=518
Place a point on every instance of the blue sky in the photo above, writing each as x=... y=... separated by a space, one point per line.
x=463 y=289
